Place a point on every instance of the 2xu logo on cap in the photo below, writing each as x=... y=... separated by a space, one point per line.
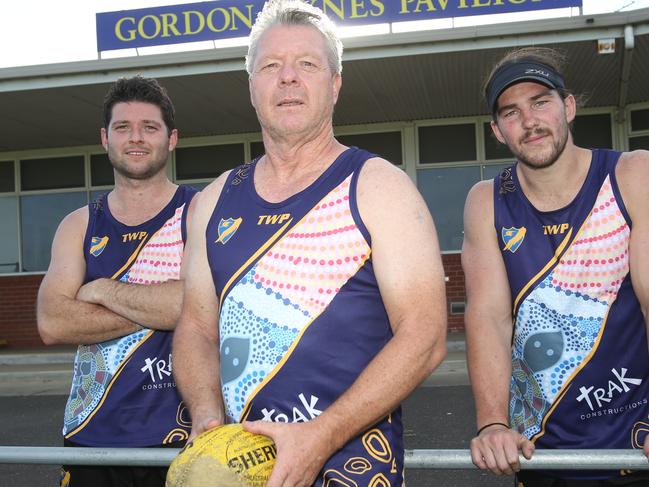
x=545 y=74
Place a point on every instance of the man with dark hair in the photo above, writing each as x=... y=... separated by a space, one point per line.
x=113 y=288
x=556 y=257
x=315 y=289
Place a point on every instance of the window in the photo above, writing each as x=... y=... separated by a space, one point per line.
x=40 y=215
x=593 y=131
x=445 y=190
x=207 y=162
x=7 y=182
x=639 y=136
x=492 y=170
x=256 y=149
x=447 y=143
x=54 y=173
x=9 y=231
x=384 y=144
x=101 y=170
x=636 y=143
x=493 y=148
x=640 y=120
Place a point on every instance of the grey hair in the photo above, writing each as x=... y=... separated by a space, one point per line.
x=295 y=12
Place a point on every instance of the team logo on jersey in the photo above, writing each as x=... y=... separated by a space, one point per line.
x=513 y=238
x=97 y=245
x=227 y=228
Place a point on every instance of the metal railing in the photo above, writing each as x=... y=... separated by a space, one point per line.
x=429 y=459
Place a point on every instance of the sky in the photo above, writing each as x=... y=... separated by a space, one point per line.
x=44 y=31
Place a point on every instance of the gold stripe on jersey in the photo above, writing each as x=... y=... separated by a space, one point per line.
x=574 y=374
x=246 y=409
x=551 y=262
x=132 y=258
x=251 y=259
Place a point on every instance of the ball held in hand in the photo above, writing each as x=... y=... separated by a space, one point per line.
x=226 y=456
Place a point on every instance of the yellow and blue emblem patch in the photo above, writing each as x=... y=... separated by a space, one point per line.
x=97 y=245
x=513 y=238
x=227 y=228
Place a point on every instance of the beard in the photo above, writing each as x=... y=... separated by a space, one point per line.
x=537 y=161
x=141 y=171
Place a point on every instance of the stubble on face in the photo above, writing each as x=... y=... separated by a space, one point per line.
x=542 y=159
x=137 y=141
x=141 y=171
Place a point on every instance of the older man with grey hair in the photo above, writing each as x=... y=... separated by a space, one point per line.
x=314 y=287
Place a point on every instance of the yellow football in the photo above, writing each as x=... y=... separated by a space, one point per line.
x=226 y=456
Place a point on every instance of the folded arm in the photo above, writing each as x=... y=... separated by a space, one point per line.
x=155 y=306
x=62 y=318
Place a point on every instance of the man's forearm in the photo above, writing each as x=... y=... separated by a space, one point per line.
x=489 y=364
x=155 y=306
x=71 y=321
x=196 y=371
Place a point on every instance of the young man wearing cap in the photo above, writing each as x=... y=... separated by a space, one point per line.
x=556 y=257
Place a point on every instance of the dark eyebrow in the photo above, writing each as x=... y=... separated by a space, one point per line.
x=545 y=93
x=150 y=122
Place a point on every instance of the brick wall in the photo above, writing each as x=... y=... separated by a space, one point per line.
x=18 y=304
x=454 y=289
x=18 y=311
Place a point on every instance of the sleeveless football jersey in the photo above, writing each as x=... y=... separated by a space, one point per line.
x=123 y=392
x=580 y=359
x=300 y=311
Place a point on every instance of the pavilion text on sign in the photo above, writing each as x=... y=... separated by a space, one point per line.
x=223 y=19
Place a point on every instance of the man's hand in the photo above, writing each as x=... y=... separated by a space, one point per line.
x=90 y=292
x=496 y=449
x=203 y=425
x=302 y=450
x=646 y=446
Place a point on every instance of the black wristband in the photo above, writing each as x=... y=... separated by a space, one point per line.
x=491 y=424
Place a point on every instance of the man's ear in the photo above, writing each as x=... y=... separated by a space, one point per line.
x=104 y=138
x=497 y=133
x=337 y=84
x=571 y=108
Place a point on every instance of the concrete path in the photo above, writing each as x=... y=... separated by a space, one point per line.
x=48 y=371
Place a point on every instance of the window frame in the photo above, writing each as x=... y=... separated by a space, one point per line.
x=621 y=133
x=630 y=133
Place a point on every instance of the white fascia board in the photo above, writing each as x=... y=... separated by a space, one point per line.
x=107 y=70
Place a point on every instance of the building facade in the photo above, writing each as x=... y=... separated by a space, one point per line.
x=413 y=98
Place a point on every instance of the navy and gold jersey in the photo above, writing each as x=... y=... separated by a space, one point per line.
x=580 y=358
x=301 y=315
x=123 y=392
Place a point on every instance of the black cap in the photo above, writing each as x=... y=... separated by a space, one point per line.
x=524 y=69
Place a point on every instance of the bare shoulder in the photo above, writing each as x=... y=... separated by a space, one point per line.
x=67 y=261
x=632 y=173
x=632 y=165
x=479 y=202
x=206 y=199
x=481 y=193
x=75 y=223
x=380 y=175
x=384 y=187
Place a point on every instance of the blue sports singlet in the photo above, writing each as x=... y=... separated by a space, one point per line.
x=300 y=311
x=123 y=393
x=580 y=376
